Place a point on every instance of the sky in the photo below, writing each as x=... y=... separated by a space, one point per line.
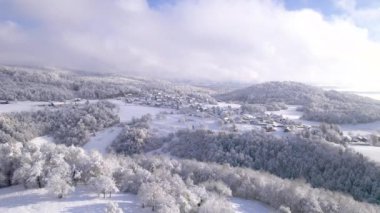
x=327 y=42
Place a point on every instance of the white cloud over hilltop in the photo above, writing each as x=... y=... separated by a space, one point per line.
x=241 y=40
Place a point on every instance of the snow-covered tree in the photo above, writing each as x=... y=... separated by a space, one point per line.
x=59 y=186
x=216 y=204
x=10 y=157
x=217 y=187
x=113 y=207
x=103 y=185
x=154 y=196
x=130 y=141
x=284 y=209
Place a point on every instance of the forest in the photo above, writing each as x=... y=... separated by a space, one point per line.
x=38 y=84
x=319 y=163
x=69 y=125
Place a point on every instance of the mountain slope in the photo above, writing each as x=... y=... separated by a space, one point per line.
x=317 y=104
x=38 y=84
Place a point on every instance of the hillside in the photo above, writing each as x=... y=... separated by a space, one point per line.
x=41 y=84
x=317 y=104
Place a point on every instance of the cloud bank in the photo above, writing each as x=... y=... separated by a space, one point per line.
x=222 y=40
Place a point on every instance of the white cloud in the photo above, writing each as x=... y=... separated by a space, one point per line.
x=216 y=39
x=346 y=5
x=10 y=32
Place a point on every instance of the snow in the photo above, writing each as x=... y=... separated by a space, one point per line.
x=129 y=111
x=224 y=105
x=99 y=142
x=102 y=139
x=42 y=140
x=21 y=106
x=17 y=199
x=250 y=206
x=290 y=113
x=371 y=152
x=373 y=95
x=247 y=127
x=361 y=129
x=173 y=122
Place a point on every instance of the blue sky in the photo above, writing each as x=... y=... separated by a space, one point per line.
x=326 y=7
x=156 y=3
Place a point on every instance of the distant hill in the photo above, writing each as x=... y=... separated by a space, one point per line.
x=317 y=104
x=41 y=84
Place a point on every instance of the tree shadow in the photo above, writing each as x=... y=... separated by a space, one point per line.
x=22 y=200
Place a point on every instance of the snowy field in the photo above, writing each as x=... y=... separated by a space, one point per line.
x=170 y=123
x=249 y=206
x=102 y=139
x=372 y=152
x=21 y=106
x=290 y=113
x=16 y=199
x=42 y=140
x=361 y=129
x=129 y=111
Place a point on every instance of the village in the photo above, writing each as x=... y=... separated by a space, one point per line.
x=227 y=114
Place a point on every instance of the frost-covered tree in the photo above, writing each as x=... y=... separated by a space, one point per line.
x=319 y=163
x=31 y=170
x=130 y=141
x=113 y=207
x=67 y=125
x=284 y=209
x=217 y=187
x=154 y=196
x=215 y=204
x=10 y=157
x=59 y=186
x=103 y=185
x=58 y=174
